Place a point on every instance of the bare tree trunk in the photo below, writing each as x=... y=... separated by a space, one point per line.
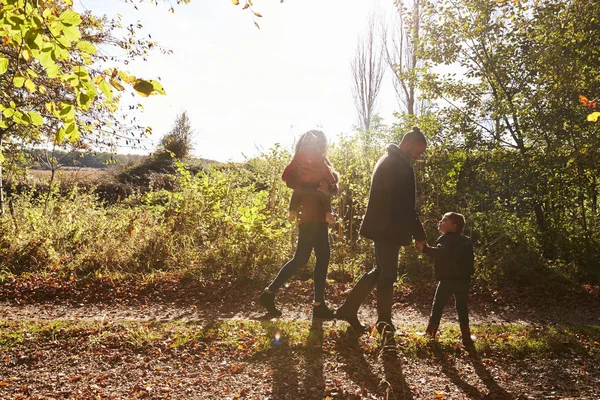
x=367 y=72
x=1 y=184
x=401 y=55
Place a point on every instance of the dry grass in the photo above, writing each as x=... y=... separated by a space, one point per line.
x=71 y=175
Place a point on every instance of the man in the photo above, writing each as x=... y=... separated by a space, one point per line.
x=391 y=221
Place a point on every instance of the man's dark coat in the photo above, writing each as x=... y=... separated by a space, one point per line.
x=391 y=214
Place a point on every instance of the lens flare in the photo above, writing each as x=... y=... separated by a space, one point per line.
x=277 y=337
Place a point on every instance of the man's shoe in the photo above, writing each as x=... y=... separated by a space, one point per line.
x=431 y=330
x=350 y=318
x=322 y=311
x=467 y=340
x=268 y=301
x=385 y=327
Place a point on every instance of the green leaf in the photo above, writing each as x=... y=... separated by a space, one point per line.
x=3 y=65
x=19 y=81
x=72 y=33
x=70 y=17
x=66 y=110
x=86 y=47
x=60 y=135
x=106 y=89
x=158 y=87
x=29 y=85
x=146 y=88
x=35 y=118
x=116 y=84
x=593 y=117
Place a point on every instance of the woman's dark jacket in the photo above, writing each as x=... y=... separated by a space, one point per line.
x=391 y=214
x=453 y=257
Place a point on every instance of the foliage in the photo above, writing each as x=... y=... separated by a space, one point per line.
x=178 y=142
x=520 y=145
x=214 y=222
x=51 y=87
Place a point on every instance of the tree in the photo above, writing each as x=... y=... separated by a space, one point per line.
x=50 y=84
x=523 y=66
x=401 y=53
x=178 y=142
x=367 y=73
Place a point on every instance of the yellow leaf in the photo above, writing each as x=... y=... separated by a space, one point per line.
x=257 y=14
x=256 y=25
x=593 y=117
x=235 y=2
x=246 y=6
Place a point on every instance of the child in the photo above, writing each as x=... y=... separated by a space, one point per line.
x=311 y=167
x=453 y=255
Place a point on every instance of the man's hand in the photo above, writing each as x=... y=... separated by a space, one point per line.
x=420 y=244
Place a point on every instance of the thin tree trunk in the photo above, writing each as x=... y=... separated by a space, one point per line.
x=1 y=184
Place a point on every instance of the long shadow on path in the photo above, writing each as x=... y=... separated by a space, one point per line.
x=496 y=392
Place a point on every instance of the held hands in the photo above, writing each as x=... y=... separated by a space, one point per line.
x=420 y=244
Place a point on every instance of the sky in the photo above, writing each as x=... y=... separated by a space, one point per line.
x=244 y=88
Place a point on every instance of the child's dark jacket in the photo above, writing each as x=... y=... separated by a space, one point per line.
x=453 y=257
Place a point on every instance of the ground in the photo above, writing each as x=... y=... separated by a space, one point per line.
x=70 y=338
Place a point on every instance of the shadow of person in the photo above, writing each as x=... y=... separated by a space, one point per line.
x=282 y=362
x=496 y=391
x=393 y=380
x=314 y=380
x=448 y=368
x=354 y=363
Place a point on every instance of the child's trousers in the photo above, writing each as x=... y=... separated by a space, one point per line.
x=445 y=290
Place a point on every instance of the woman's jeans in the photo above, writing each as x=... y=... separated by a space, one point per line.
x=312 y=235
x=445 y=289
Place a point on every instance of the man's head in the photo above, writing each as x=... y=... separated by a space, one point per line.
x=414 y=143
x=452 y=222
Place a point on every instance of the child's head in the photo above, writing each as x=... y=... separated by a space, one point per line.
x=451 y=222
x=313 y=138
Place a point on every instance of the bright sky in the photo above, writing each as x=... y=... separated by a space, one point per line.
x=246 y=88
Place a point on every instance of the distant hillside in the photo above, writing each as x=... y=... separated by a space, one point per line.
x=87 y=159
x=38 y=159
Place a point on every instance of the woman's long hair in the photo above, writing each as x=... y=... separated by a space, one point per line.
x=322 y=145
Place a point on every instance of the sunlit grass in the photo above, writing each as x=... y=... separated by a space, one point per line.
x=250 y=337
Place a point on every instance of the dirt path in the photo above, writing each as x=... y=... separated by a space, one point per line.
x=409 y=308
x=331 y=364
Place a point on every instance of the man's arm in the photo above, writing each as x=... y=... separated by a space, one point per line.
x=440 y=250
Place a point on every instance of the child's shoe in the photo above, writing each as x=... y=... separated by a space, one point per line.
x=320 y=310
x=267 y=299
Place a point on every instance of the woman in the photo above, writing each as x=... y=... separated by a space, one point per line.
x=313 y=234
